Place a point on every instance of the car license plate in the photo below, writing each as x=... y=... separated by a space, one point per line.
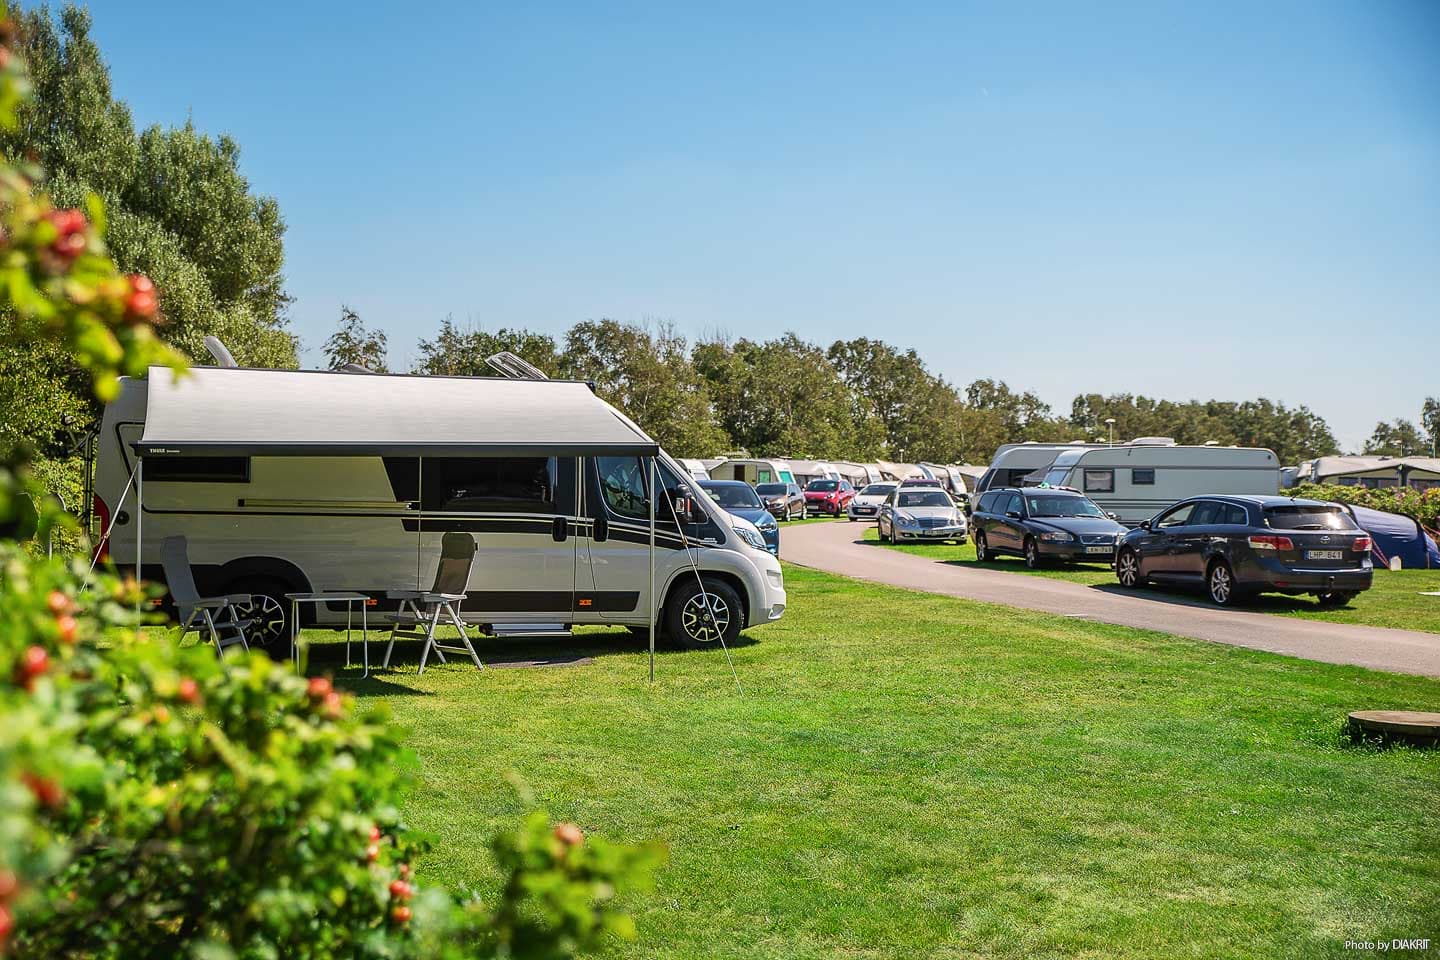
x=1099 y=549
x=1324 y=554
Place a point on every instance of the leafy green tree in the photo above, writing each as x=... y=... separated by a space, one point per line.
x=353 y=342
x=785 y=397
x=1398 y=438
x=177 y=207
x=918 y=411
x=649 y=376
x=1430 y=419
x=1294 y=433
x=461 y=353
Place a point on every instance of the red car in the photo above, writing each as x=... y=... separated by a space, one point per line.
x=828 y=496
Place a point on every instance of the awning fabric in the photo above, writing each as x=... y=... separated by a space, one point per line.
x=213 y=411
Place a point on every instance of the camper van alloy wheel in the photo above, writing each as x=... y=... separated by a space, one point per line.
x=269 y=617
x=694 y=619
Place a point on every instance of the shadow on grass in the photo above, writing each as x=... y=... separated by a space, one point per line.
x=1194 y=597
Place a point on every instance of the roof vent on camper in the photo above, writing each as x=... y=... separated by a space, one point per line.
x=1153 y=442
x=512 y=367
x=219 y=351
x=356 y=368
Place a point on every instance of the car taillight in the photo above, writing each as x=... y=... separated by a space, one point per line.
x=1271 y=543
x=102 y=513
x=1361 y=545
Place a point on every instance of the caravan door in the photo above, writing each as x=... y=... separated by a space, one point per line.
x=521 y=512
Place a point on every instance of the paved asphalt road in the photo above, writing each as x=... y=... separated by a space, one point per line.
x=837 y=548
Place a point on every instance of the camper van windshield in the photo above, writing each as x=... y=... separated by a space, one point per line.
x=1053 y=505
x=1300 y=517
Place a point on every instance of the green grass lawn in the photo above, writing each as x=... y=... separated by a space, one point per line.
x=908 y=775
x=1394 y=601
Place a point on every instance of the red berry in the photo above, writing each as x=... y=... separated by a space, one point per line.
x=318 y=688
x=334 y=706
x=68 y=627
x=400 y=890
x=189 y=691
x=404 y=870
x=141 y=283
x=374 y=834
x=400 y=914
x=57 y=602
x=569 y=834
x=162 y=714
x=33 y=663
x=7 y=923
x=47 y=792
x=140 y=305
x=9 y=883
x=372 y=852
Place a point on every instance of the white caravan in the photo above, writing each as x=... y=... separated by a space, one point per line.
x=1013 y=462
x=859 y=474
x=1137 y=480
x=806 y=470
x=900 y=471
x=1421 y=473
x=296 y=481
x=695 y=468
x=754 y=471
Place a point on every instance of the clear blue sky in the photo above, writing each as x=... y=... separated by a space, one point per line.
x=1144 y=197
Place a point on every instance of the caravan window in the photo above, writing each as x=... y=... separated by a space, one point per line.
x=1099 y=481
x=197 y=469
x=489 y=484
x=1143 y=477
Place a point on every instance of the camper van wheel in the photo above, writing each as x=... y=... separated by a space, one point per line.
x=271 y=613
x=691 y=625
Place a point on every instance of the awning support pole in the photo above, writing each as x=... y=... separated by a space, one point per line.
x=653 y=493
x=139 y=521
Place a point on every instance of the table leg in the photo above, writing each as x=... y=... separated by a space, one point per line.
x=365 y=637
x=349 y=608
x=295 y=634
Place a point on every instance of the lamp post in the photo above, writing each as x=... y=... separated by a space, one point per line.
x=1110 y=422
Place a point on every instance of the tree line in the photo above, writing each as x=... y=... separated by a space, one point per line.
x=859 y=399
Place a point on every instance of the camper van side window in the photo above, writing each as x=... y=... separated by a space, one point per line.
x=489 y=484
x=198 y=469
x=622 y=484
x=1143 y=478
x=1099 y=481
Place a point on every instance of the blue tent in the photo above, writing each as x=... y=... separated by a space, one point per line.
x=1394 y=535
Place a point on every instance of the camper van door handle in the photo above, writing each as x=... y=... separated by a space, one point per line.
x=602 y=529
x=560 y=529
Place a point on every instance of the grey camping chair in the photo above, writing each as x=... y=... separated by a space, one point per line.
x=423 y=610
x=219 y=616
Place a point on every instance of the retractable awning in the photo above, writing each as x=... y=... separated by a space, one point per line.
x=213 y=411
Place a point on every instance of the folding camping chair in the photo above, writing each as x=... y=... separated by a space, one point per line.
x=219 y=616
x=423 y=610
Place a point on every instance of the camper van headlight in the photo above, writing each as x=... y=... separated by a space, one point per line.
x=751 y=536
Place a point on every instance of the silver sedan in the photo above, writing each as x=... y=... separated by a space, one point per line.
x=917 y=514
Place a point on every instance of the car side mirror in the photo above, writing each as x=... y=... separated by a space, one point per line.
x=1144 y=524
x=1013 y=514
x=1113 y=516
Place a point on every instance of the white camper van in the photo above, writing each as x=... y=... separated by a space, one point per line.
x=754 y=471
x=1137 y=480
x=295 y=481
x=696 y=469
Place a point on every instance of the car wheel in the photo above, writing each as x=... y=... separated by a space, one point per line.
x=270 y=633
x=982 y=552
x=1220 y=584
x=788 y=515
x=1335 y=598
x=1032 y=554
x=1127 y=569
x=695 y=619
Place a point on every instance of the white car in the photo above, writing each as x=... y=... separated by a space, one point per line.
x=867 y=503
x=921 y=513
